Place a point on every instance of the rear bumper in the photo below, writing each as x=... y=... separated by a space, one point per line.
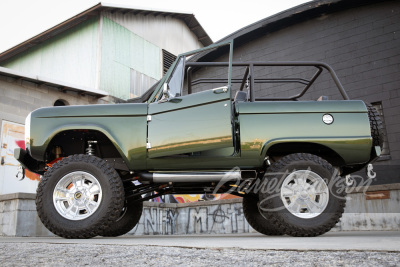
x=26 y=160
x=374 y=156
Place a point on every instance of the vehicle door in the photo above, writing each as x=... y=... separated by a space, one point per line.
x=182 y=123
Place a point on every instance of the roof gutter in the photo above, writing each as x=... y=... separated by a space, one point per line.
x=62 y=86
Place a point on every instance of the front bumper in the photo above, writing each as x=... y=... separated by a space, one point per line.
x=26 y=160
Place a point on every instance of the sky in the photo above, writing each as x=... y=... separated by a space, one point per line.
x=23 y=19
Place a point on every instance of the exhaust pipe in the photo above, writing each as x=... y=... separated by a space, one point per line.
x=180 y=177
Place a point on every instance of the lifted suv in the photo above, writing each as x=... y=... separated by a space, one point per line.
x=202 y=129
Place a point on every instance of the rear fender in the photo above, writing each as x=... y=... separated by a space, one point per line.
x=350 y=150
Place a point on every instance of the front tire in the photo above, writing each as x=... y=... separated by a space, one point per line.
x=309 y=198
x=255 y=218
x=79 y=197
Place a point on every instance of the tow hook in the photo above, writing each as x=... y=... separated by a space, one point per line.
x=349 y=180
x=20 y=173
x=370 y=171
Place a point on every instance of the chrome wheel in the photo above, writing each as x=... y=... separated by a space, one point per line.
x=77 y=195
x=304 y=194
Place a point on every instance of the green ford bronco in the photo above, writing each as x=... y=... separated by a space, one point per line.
x=202 y=129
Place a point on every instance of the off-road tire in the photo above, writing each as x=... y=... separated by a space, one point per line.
x=108 y=211
x=281 y=218
x=128 y=219
x=376 y=125
x=255 y=218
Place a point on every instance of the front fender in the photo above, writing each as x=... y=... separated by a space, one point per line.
x=128 y=134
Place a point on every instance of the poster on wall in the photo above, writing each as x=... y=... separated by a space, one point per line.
x=12 y=136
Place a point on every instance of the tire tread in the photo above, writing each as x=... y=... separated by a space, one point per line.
x=280 y=223
x=376 y=126
x=108 y=218
x=255 y=219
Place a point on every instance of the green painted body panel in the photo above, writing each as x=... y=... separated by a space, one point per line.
x=93 y=110
x=265 y=124
x=190 y=123
x=280 y=107
x=196 y=163
x=200 y=126
x=124 y=124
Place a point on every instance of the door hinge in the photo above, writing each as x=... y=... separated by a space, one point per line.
x=148 y=117
x=148 y=145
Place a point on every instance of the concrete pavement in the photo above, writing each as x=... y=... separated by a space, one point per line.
x=332 y=241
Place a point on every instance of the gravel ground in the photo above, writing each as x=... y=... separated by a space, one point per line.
x=44 y=254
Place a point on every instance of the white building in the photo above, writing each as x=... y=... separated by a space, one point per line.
x=117 y=49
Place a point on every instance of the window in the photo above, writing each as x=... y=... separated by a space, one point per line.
x=60 y=102
x=175 y=83
x=186 y=77
x=168 y=59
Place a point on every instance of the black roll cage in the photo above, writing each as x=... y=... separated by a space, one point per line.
x=249 y=75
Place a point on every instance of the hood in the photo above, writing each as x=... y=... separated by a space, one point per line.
x=111 y=110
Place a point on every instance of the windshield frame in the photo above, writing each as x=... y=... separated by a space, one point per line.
x=167 y=76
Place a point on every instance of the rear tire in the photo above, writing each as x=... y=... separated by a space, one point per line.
x=309 y=198
x=79 y=197
x=129 y=217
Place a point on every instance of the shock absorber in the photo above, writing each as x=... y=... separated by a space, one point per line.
x=90 y=150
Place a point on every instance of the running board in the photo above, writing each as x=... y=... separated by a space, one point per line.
x=181 y=177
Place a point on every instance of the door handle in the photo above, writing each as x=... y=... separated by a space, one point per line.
x=220 y=90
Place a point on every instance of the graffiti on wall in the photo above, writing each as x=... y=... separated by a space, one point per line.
x=210 y=219
x=12 y=136
x=191 y=198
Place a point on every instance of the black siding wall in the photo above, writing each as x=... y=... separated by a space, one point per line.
x=363 y=46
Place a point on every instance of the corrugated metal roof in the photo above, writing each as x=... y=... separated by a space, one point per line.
x=62 y=86
x=188 y=18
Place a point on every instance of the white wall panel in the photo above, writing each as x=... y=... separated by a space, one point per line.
x=123 y=52
x=68 y=57
x=167 y=33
